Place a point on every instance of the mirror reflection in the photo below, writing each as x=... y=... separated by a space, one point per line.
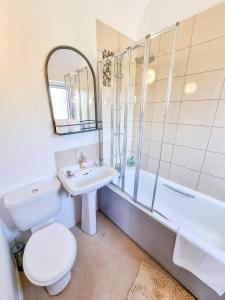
x=71 y=86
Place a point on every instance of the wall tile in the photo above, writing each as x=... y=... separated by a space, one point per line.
x=177 y=88
x=130 y=111
x=138 y=91
x=148 y=111
x=156 y=131
x=65 y=158
x=164 y=169
x=107 y=37
x=154 y=150
x=154 y=46
x=145 y=146
x=90 y=151
x=106 y=111
x=160 y=90
x=124 y=41
x=223 y=92
x=188 y=157
x=106 y=94
x=146 y=130
x=138 y=74
x=214 y=164
x=134 y=143
x=198 y=112
x=159 y=94
x=208 y=56
x=144 y=162
x=133 y=128
x=192 y=136
x=173 y=112
x=184 y=176
x=199 y=86
x=217 y=140
x=163 y=64
x=212 y=186
x=106 y=132
x=136 y=115
x=166 y=43
x=220 y=115
x=107 y=151
x=169 y=134
x=158 y=113
x=183 y=38
x=99 y=55
x=180 y=65
x=185 y=33
x=209 y=24
x=153 y=166
x=181 y=57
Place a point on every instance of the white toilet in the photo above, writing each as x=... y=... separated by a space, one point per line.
x=51 y=250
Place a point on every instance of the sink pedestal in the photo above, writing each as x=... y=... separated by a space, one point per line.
x=88 y=218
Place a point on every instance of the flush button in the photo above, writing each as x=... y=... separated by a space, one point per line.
x=35 y=190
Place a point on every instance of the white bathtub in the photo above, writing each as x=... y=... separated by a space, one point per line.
x=181 y=206
x=175 y=206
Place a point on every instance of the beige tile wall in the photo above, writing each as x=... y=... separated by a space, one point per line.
x=111 y=40
x=194 y=143
x=193 y=152
x=71 y=156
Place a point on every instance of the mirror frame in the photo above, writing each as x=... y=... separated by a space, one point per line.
x=63 y=47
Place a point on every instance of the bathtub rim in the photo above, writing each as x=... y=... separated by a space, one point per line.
x=169 y=224
x=183 y=188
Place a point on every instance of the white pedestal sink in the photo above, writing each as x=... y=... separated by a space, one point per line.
x=86 y=182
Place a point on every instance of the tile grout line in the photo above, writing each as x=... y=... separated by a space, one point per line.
x=210 y=134
x=194 y=45
x=175 y=134
x=193 y=74
x=153 y=104
x=193 y=170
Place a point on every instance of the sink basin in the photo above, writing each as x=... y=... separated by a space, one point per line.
x=86 y=182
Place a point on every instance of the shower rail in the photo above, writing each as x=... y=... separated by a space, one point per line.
x=70 y=91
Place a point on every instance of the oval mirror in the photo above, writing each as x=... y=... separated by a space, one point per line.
x=71 y=87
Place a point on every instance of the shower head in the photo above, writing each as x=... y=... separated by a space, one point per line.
x=140 y=60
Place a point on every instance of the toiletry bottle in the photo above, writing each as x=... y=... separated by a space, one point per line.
x=130 y=161
x=83 y=162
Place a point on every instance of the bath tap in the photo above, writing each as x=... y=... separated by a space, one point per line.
x=119 y=170
x=69 y=174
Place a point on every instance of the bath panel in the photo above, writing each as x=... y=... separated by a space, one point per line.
x=153 y=234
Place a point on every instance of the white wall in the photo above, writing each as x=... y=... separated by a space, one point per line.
x=9 y=284
x=28 y=31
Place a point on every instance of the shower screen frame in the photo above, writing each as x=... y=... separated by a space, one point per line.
x=147 y=54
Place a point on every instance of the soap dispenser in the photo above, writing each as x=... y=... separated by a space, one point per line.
x=83 y=162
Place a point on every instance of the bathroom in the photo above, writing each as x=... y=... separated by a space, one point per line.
x=156 y=98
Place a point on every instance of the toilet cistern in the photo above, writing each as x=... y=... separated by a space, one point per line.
x=86 y=182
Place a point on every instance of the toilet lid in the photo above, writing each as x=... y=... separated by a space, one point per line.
x=49 y=254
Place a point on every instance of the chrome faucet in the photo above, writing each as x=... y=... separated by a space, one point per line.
x=69 y=174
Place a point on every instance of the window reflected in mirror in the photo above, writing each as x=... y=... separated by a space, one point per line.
x=72 y=91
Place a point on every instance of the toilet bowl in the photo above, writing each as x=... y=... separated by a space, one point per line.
x=50 y=252
x=49 y=256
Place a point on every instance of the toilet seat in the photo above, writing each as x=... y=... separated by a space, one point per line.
x=49 y=254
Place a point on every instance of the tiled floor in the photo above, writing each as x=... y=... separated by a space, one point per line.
x=105 y=267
